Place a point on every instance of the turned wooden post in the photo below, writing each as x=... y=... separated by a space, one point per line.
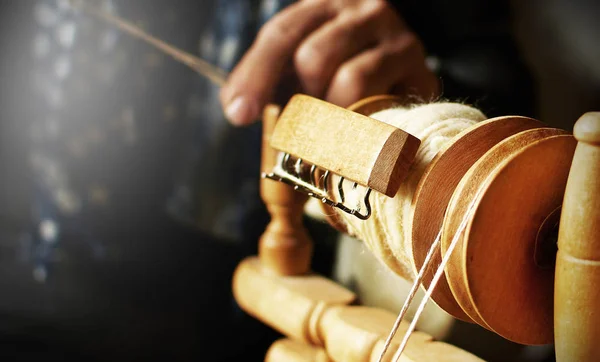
x=311 y=309
x=285 y=247
x=577 y=282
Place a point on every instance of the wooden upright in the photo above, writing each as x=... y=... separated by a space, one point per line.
x=577 y=283
x=501 y=276
x=285 y=247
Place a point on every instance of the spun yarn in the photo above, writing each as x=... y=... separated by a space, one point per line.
x=387 y=233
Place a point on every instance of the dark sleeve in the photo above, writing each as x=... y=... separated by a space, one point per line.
x=479 y=62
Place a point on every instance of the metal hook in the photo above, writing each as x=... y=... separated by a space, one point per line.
x=292 y=174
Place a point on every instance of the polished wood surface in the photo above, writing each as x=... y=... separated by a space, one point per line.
x=326 y=135
x=289 y=350
x=358 y=333
x=492 y=272
x=314 y=310
x=290 y=304
x=285 y=246
x=508 y=176
x=577 y=284
x=439 y=182
x=366 y=107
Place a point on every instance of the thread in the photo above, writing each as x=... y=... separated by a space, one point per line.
x=387 y=233
x=214 y=74
x=436 y=278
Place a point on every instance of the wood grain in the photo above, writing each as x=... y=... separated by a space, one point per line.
x=374 y=104
x=285 y=246
x=577 y=291
x=366 y=107
x=289 y=350
x=314 y=310
x=492 y=273
x=289 y=304
x=439 y=182
x=364 y=150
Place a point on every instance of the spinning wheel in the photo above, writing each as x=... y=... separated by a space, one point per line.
x=504 y=178
x=487 y=210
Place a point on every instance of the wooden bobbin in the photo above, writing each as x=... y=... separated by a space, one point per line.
x=439 y=182
x=285 y=246
x=316 y=313
x=494 y=273
x=577 y=291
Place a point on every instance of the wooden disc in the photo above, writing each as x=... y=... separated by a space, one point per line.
x=437 y=185
x=492 y=272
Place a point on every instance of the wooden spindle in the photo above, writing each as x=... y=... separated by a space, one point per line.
x=577 y=280
x=285 y=247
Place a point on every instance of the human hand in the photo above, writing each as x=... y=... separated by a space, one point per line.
x=340 y=51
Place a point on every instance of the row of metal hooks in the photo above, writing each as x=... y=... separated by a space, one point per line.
x=315 y=182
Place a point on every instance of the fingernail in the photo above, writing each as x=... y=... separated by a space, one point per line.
x=240 y=111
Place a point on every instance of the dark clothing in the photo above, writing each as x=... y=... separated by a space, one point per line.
x=479 y=60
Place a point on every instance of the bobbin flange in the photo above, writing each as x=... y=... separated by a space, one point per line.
x=439 y=182
x=493 y=272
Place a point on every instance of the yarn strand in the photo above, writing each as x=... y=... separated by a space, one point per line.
x=388 y=232
x=435 y=247
x=436 y=277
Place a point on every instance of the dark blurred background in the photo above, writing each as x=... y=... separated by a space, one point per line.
x=101 y=258
x=124 y=207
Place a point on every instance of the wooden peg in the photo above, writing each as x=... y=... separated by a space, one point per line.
x=577 y=280
x=285 y=246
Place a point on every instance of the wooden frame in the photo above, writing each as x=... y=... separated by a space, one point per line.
x=320 y=318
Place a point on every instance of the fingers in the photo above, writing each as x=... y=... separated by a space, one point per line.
x=399 y=61
x=340 y=50
x=251 y=84
x=353 y=31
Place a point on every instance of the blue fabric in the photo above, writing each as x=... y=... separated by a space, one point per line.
x=123 y=133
